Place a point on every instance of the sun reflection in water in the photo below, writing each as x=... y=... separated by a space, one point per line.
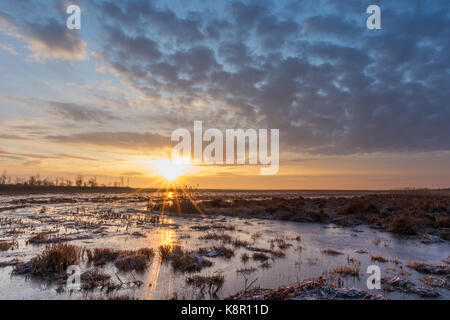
x=159 y=276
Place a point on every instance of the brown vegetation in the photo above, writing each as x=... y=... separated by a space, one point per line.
x=210 y=283
x=259 y=256
x=52 y=262
x=182 y=260
x=217 y=251
x=330 y=252
x=429 y=268
x=5 y=245
x=378 y=259
x=406 y=213
x=345 y=271
x=124 y=260
x=319 y=288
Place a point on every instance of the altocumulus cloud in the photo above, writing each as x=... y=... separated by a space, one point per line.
x=124 y=140
x=309 y=68
x=329 y=84
x=48 y=39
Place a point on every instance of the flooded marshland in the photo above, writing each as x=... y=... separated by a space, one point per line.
x=210 y=254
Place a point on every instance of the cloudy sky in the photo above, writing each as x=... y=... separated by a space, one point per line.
x=356 y=108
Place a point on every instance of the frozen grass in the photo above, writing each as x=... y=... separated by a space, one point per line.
x=402 y=212
x=245 y=257
x=134 y=261
x=319 y=288
x=346 y=271
x=52 y=262
x=246 y=271
x=330 y=252
x=280 y=242
x=216 y=236
x=429 y=268
x=211 y=284
x=5 y=245
x=379 y=259
x=436 y=282
x=237 y=243
x=124 y=260
x=38 y=238
x=259 y=256
x=94 y=278
x=219 y=251
x=182 y=260
x=101 y=256
x=278 y=254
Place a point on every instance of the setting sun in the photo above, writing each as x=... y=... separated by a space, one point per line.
x=171 y=169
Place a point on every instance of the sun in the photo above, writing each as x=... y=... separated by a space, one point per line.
x=171 y=169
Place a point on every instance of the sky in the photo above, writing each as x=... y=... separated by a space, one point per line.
x=356 y=108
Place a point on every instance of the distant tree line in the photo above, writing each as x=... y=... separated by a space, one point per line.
x=80 y=181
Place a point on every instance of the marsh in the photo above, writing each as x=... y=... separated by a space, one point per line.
x=205 y=247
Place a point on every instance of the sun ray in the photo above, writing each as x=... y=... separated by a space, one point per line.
x=171 y=169
x=192 y=201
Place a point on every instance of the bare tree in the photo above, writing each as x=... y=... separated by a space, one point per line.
x=79 y=181
x=32 y=181
x=93 y=182
x=3 y=178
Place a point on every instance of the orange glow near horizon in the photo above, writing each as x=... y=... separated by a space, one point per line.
x=170 y=170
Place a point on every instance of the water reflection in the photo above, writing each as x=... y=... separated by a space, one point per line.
x=159 y=277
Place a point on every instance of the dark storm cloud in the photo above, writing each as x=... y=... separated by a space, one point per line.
x=330 y=85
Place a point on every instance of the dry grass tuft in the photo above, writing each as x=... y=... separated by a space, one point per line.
x=137 y=262
x=278 y=254
x=217 y=251
x=101 y=256
x=124 y=260
x=346 y=271
x=330 y=252
x=210 y=283
x=237 y=243
x=94 y=278
x=52 y=262
x=378 y=259
x=182 y=260
x=259 y=256
x=39 y=238
x=5 y=245
x=216 y=236
x=245 y=257
x=429 y=268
